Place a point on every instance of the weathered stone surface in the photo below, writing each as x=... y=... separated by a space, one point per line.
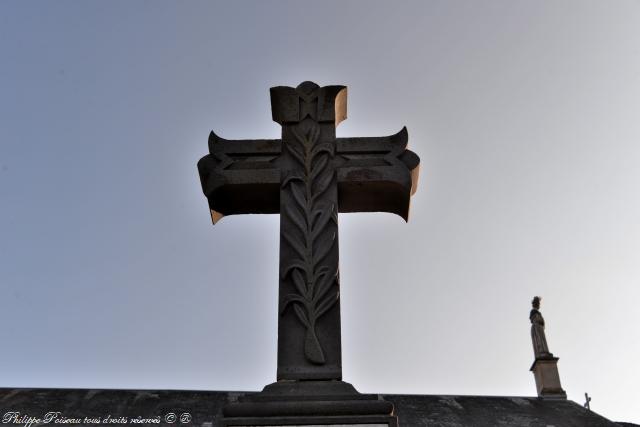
x=308 y=402
x=545 y=365
x=545 y=372
x=204 y=407
x=308 y=176
x=538 y=336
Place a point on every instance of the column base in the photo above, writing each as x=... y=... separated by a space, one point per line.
x=305 y=403
x=545 y=372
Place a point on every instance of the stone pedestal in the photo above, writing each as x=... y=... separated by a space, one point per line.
x=309 y=176
x=545 y=371
x=309 y=403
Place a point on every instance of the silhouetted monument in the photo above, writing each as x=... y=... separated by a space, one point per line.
x=545 y=365
x=308 y=176
x=540 y=347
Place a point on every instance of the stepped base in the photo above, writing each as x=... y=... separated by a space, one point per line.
x=309 y=403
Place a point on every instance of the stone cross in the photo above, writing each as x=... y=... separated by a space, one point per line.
x=587 y=401
x=308 y=176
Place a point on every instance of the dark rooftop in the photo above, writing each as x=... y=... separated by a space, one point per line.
x=203 y=407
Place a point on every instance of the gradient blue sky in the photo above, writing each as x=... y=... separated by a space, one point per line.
x=525 y=115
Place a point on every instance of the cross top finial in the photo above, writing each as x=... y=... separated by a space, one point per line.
x=307 y=88
x=323 y=104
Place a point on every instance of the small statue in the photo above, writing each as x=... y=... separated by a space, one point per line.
x=540 y=347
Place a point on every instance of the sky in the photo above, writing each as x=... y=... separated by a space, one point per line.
x=524 y=114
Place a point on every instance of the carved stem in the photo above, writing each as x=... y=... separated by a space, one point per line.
x=314 y=237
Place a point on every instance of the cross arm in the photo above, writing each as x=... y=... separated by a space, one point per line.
x=376 y=174
x=241 y=176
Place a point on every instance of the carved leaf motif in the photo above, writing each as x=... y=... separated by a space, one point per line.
x=326 y=304
x=291 y=267
x=314 y=133
x=312 y=348
x=294 y=242
x=300 y=283
x=322 y=271
x=321 y=186
x=301 y=315
x=298 y=196
x=298 y=153
x=297 y=217
x=301 y=142
x=291 y=178
x=313 y=237
x=324 y=248
x=323 y=286
x=289 y=298
x=318 y=168
x=325 y=147
x=320 y=220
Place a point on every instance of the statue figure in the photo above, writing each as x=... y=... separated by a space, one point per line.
x=540 y=347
